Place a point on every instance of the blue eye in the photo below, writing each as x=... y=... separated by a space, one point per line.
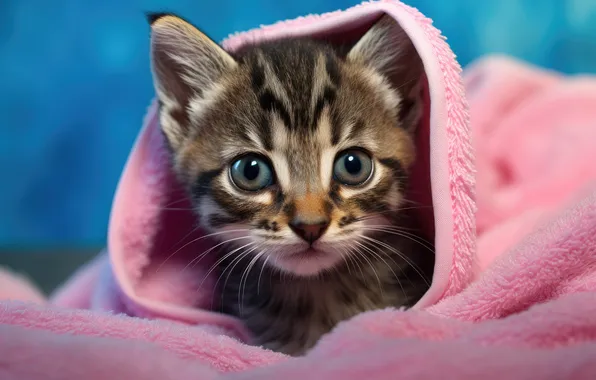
x=251 y=173
x=353 y=167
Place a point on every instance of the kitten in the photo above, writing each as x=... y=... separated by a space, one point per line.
x=297 y=155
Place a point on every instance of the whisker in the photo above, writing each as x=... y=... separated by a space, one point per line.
x=176 y=209
x=400 y=254
x=344 y=256
x=182 y=198
x=397 y=210
x=238 y=258
x=392 y=230
x=221 y=260
x=392 y=212
x=233 y=265
x=193 y=230
x=356 y=260
x=378 y=255
x=406 y=200
x=261 y=273
x=391 y=222
x=390 y=257
x=194 y=262
x=244 y=279
x=194 y=241
x=360 y=253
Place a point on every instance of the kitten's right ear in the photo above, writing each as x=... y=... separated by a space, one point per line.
x=185 y=63
x=388 y=49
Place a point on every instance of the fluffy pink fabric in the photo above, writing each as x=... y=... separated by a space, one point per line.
x=16 y=287
x=535 y=131
x=549 y=341
x=515 y=300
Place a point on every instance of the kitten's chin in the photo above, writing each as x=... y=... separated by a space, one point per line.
x=309 y=262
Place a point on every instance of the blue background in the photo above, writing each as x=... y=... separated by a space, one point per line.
x=75 y=83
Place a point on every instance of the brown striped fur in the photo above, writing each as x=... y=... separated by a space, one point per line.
x=298 y=104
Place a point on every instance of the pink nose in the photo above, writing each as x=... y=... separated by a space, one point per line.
x=310 y=232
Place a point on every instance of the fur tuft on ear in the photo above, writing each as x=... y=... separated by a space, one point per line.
x=185 y=64
x=387 y=49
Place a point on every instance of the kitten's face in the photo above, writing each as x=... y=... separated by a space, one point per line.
x=291 y=152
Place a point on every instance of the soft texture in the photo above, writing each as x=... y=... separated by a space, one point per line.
x=515 y=300
x=16 y=287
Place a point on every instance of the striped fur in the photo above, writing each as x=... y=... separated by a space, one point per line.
x=298 y=103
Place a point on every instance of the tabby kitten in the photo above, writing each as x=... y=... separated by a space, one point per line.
x=297 y=156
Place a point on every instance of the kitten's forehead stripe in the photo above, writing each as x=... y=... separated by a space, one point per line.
x=326 y=99
x=319 y=83
x=292 y=80
x=309 y=75
x=336 y=127
x=264 y=132
x=257 y=77
x=357 y=129
x=332 y=69
x=270 y=103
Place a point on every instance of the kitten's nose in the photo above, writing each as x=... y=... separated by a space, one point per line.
x=310 y=232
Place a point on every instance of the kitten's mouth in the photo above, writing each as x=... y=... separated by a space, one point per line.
x=308 y=254
x=307 y=262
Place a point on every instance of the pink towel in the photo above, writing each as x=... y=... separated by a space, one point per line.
x=515 y=300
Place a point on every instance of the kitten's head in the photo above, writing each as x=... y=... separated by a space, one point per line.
x=290 y=149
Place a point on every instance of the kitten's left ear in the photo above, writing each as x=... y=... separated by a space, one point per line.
x=387 y=49
x=185 y=63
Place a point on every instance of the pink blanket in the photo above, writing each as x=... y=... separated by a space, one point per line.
x=513 y=298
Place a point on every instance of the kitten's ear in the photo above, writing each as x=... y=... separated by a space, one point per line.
x=387 y=49
x=185 y=63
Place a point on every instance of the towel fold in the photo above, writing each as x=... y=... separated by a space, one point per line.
x=512 y=299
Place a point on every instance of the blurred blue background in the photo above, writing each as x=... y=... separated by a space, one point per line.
x=75 y=83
